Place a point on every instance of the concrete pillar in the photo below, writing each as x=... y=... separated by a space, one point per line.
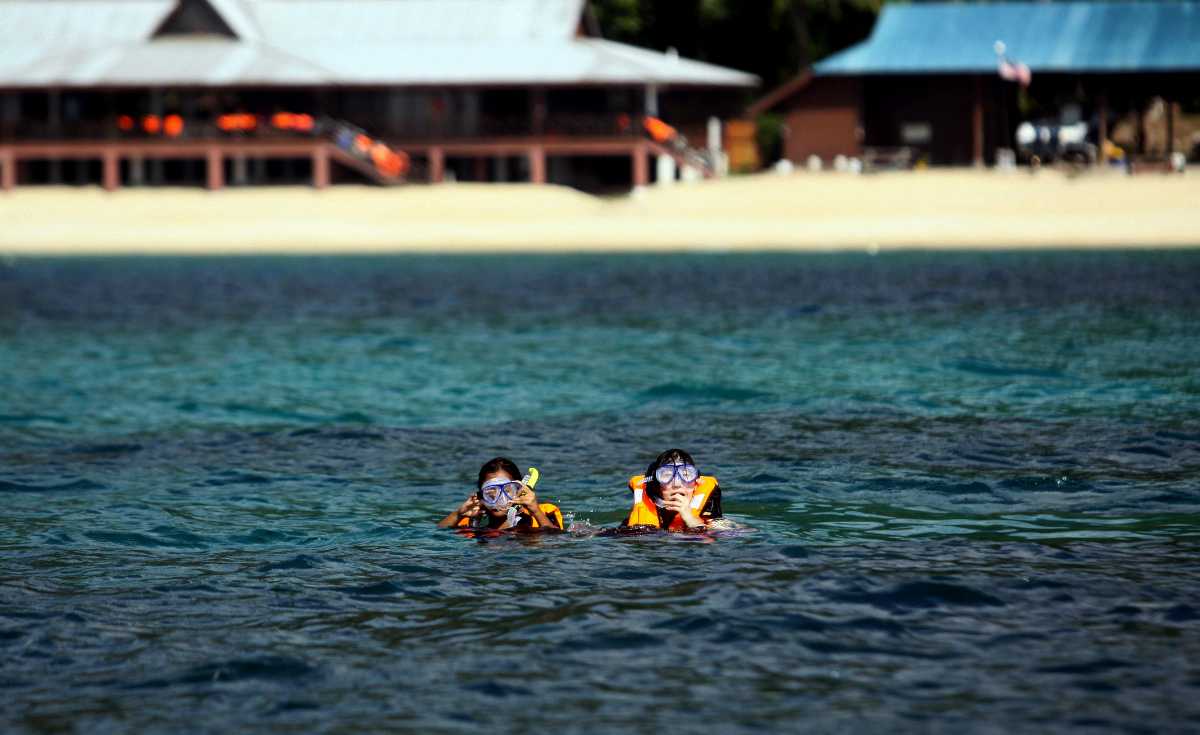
x=537 y=164
x=538 y=111
x=651 y=100
x=641 y=169
x=10 y=112
x=54 y=115
x=714 y=145
x=157 y=165
x=320 y=168
x=665 y=170
x=216 y=169
x=469 y=117
x=395 y=116
x=111 y=165
x=137 y=171
x=977 y=125
x=437 y=165
x=241 y=175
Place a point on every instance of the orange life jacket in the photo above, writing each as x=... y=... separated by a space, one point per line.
x=645 y=512
x=550 y=509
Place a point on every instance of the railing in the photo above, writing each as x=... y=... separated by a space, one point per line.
x=494 y=126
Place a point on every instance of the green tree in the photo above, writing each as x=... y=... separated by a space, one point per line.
x=774 y=39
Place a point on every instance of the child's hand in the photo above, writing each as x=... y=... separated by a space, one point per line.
x=470 y=508
x=680 y=501
x=526 y=498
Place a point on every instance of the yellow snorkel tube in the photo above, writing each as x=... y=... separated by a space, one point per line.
x=529 y=480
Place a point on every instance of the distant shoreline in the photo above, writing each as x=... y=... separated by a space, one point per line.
x=952 y=209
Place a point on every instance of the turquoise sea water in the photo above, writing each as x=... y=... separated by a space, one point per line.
x=968 y=491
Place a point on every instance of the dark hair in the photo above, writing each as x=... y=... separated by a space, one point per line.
x=499 y=464
x=671 y=456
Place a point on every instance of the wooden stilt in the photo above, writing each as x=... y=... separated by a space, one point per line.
x=8 y=170
x=320 y=168
x=216 y=169
x=537 y=164
x=112 y=169
x=437 y=165
x=641 y=168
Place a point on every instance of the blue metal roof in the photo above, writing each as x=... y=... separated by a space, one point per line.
x=1048 y=37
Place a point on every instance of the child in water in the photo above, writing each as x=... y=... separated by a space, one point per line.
x=502 y=501
x=674 y=496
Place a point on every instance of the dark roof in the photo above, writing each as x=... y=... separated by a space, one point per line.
x=1048 y=37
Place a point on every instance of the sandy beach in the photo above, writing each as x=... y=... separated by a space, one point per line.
x=801 y=211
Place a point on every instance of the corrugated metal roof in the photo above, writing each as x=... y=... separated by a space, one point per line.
x=1047 y=37
x=212 y=61
x=290 y=21
x=302 y=42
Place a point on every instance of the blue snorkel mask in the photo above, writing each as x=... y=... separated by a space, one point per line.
x=498 y=494
x=666 y=474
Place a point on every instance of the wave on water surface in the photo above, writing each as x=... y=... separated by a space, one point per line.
x=964 y=490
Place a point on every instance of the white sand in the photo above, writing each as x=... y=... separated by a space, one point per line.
x=932 y=209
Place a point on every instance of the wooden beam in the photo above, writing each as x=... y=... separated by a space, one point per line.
x=216 y=168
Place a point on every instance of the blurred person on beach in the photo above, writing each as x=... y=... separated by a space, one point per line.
x=674 y=496
x=504 y=500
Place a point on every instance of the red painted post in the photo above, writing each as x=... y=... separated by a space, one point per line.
x=8 y=170
x=437 y=165
x=112 y=169
x=216 y=169
x=641 y=169
x=537 y=164
x=320 y=167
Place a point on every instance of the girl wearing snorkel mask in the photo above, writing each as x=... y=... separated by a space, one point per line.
x=673 y=495
x=504 y=500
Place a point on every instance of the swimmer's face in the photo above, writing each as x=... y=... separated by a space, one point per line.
x=497 y=475
x=676 y=484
